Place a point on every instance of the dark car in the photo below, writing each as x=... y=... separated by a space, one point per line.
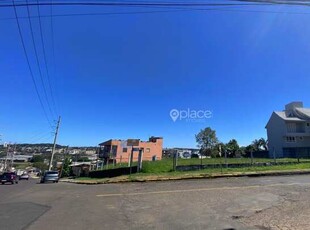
x=9 y=177
x=50 y=176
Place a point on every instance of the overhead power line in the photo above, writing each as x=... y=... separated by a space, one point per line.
x=29 y=66
x=37 y=61
x=278 y=2
x=145 y=4
x=44 y=56
x=53 y=55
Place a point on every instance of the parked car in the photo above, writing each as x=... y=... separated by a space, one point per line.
x=50 y=176
x=9 y=177
x=24 y=176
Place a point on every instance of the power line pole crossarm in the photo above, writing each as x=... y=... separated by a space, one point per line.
x=54 y=145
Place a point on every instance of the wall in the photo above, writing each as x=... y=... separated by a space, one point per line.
x=152 y=148
x=276 y=129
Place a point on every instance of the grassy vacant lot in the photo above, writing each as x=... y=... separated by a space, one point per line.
x=162 y=174
x=21 y=165
x=166 y=165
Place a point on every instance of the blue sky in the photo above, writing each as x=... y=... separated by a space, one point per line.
x=118 y=76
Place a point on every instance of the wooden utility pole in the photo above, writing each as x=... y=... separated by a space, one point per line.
x=54 y=145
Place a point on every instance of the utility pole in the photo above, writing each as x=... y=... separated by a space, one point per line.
x=12 y=156
x=6 y=158
x=54 y=145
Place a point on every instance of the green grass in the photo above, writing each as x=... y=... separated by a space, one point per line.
x=163 y=168
x=164 y=172
x=192 y=174
x=21 y=165
x=118 y=165
x=165 y=165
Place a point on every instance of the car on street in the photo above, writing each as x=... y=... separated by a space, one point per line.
x=24 y=176
x=50 y=176
x=9 y=177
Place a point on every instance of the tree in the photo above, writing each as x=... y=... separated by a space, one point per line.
x=232 y=147
x=264 y=143
x=260 y=144
x=40 y=165
x=217 y=148
x=37 y=158
x=83 y=159
x=65 y=172
x=206 y=140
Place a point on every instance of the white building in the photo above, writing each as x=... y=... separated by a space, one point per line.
x=288 y=131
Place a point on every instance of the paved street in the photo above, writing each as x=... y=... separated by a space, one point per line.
x=234 y=203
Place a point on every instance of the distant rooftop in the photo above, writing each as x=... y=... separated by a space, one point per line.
x=294 y=111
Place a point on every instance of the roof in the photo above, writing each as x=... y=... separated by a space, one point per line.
x=286 y=118
x=303 y=112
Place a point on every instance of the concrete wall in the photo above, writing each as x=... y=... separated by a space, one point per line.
x=276 y=130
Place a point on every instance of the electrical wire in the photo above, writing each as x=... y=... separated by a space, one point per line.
x=37 y=61
x=144 y=4
x=44 y=56
x=29 y=66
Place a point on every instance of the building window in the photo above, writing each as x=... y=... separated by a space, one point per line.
x=124 y=150
x=147 y=150
x=291 y=127
x=290 y=139
x=308 y=124
x=301 y=138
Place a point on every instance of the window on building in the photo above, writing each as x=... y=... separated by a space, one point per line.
x=291 y=127
x=301 y=138
x=290 y=139
x=147 y=150
x=124 y=150
x=308 y=124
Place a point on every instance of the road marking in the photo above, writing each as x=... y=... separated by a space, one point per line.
x=198 y=190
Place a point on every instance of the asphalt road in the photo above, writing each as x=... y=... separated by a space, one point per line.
x=232 y=203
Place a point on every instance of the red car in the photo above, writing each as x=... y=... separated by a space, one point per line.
x=9 y=177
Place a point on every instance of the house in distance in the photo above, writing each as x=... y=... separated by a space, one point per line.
x=120 y=150
x=288 y=132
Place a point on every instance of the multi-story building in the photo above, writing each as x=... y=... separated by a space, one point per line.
x=288 y=131
x=120 y=151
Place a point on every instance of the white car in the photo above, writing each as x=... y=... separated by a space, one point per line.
x=24 y=176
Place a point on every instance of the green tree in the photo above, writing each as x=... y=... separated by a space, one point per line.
x=40 y=165
x=219 y=147
x=37 y=158
x=250 y=148
x=264 y=143
x=206 y=140
x=66 y=170
x=260 y=144
x=232 y=148
x=83 y=159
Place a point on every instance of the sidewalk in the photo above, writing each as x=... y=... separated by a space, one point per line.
x=150 y=178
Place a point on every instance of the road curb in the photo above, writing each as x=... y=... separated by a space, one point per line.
x=201 y=176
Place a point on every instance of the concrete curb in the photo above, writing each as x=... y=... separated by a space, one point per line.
x=201 y=176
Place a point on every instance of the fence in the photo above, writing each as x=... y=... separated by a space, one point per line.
x=113 y=172
x=179 y=164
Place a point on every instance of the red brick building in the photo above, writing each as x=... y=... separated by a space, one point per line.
x=120 y=151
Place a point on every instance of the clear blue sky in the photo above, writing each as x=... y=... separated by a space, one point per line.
x=118 y=76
